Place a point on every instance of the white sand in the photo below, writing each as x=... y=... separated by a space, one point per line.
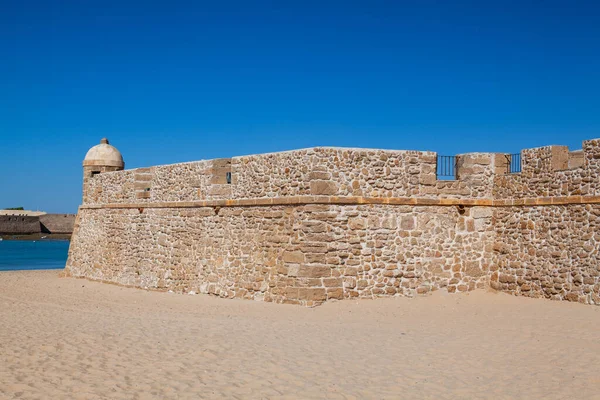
x=64 y=338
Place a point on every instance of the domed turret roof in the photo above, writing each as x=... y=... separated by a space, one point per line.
x=104 y=154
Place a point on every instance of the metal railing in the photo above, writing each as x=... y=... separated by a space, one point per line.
x=446 y=167
x=513 y=165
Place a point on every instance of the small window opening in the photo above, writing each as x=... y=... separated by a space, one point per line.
x=228 y=177
x=94 y=173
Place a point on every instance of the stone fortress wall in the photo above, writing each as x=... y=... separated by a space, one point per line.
x=548 y=226
x=27 y=222
x=311 y=225
x=57 y=223
x=12 y=224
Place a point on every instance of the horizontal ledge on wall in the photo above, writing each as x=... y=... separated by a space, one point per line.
x=355 y=200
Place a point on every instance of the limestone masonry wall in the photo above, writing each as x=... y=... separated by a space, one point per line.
x=294 y=254
x=317 y=171
x=553 y=171
x=19 y=224
x=549 y=251
x=57 y=223
x=15 y=224
x=311 y=225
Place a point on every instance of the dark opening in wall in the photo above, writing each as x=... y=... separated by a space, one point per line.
x=228 y=178
x=94 y=173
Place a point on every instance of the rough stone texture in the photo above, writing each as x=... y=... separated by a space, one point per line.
x=294 y=254
x=387 y=227
x=100 y=186
x=178 y=182
x=19 y=224
x=44 y=223
x=545 y=173
x=317 y=171
x=57 y=223
x=550 y=251
x=358 y=172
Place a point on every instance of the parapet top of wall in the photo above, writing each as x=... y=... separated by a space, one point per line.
x=553 y=171
x=357 y=172
x=319 y=149
x=338 y=171
x=313 y=171
x=557 y=157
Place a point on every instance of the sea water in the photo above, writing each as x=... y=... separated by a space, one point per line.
x=39 y=254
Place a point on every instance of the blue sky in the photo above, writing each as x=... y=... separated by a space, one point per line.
x=180 y=81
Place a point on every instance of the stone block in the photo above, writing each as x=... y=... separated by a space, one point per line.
x=473 y=269
x=317 y=258
x=314 y=248
x=314 y=271
x=480 y=225
x=482 y=212
x=143 y=177
x=501 y=164
x=142 y=185
x=407 y=223
x=222 y=191
x=292 y=293
x=428 y=179
x=314 y=226
x=571 y=296
x=477 y=158
x=322 y=187
x=312 y=294
x=576 y=159
x=293 y=270
x=333 y=282
x=336 y=293
x=293 y=257
x=319 y=175
x=357 y=223
x=560 y=158
x=423 y=289
x=507 y=278
x=389 y=222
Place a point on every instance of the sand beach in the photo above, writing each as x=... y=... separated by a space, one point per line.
x=65 y=338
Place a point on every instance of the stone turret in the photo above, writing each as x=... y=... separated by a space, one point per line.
x=101 y=158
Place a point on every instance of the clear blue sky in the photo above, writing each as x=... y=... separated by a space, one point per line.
x=179 y=81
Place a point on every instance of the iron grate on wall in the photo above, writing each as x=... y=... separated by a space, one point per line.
x=446 y=167
x=514 y=163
